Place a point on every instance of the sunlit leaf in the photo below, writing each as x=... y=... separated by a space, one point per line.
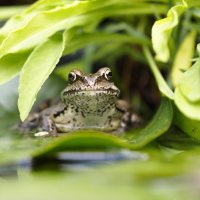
x=190 y=83
x=9 y=11
x=36 y=70
x=11 y=64
x=183 y=57
x=189 y=109
x=21 y=19
x=44 y=24
x=161 y=31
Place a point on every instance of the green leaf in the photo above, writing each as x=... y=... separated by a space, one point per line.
x=100 y=37
x=46 y=23
x=162 y=85
x=156 y=127
x=190 y=83
x=183 y=58
x=32 y=28
x=9 y=11
x=82 y=141
x=189 y=109
x=188 y=125
x=162 y=29
x=23 y=18
x=36 y=70
x=177 y=139
x=11 y=64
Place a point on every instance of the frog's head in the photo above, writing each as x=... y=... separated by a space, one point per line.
x=98 y=84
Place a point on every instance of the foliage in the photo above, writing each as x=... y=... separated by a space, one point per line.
x=33 y=42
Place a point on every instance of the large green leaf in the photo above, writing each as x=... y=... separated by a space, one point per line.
x=33 y=28
x=156 y=127
x=36 y=70
x=11 y=64
x=21 y=19
x=44 y=24
x=9 y=11
x=82 y=141
x=161 y=31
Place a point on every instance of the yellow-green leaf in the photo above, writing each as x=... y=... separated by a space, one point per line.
x=11 y=64
x=190 y=83
x=37 y=28
x=189 y=109
x=183 y=57
x=162 y=29
x=36 y=70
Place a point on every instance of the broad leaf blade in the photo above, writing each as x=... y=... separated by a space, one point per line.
x=82 y=141
x=46 y=23
x=22 y=19
x=36 y=70
x=8 y=11
x=11 y=64
x=157 y=126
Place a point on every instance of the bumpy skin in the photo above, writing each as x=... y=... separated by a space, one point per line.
x=88 y=102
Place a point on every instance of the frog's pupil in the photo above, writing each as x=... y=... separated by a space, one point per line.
x=110 y=74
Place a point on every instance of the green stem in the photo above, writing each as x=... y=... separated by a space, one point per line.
x=162 y=85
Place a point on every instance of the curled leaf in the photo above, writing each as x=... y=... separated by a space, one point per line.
x=162 y=29
x=189 y=109
x=190 y=83
x=156 y=127
x=183 y=58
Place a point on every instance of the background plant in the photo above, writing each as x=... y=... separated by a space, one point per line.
x=160 y=36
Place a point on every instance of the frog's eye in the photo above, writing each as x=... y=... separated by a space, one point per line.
x=108 y=75
x=72 y=77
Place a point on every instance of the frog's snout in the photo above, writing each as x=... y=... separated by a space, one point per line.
x=91 y=81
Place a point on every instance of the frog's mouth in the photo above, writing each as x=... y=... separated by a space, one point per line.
x=90 y=92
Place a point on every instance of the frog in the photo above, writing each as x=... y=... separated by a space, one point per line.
x=89 y=101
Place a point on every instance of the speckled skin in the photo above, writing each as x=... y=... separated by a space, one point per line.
x=88 y=102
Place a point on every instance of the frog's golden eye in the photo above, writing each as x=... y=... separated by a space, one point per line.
x=72 y=77
x=108 y=75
